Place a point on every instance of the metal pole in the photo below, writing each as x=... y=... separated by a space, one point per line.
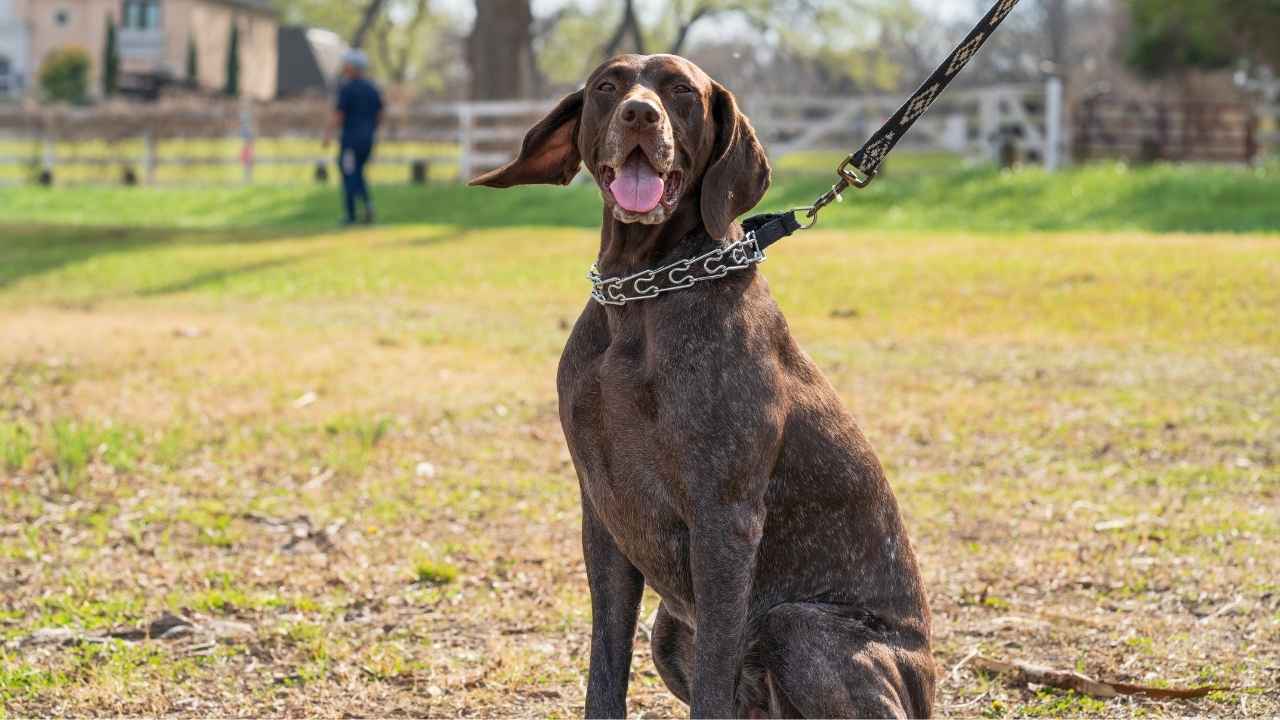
x=1053 y=124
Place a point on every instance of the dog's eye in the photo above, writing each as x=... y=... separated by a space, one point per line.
x=681 y=89
x=606 y=86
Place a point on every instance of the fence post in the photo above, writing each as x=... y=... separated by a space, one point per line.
x=49 y=152
x=989 y=120
x=149 y=157
x=1053 y=124
x=1251 y=137
x=466 y=125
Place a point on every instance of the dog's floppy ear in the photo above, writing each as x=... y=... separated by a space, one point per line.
x=549 y=155
x=738 y=174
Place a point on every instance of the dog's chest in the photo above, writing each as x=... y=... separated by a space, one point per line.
x=628 y=468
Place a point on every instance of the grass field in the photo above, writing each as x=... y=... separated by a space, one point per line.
x=918 y=192
x=337 y=454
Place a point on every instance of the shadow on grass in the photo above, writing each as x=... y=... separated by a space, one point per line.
x=35 y=250
x=542 y=206
x=32 y=250
x=215 y=277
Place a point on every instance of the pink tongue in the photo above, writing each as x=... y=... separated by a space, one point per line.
x=637 y=188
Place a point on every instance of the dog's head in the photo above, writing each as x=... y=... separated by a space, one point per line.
x=657 y=134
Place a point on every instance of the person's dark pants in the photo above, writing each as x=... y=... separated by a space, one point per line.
x=351 y=162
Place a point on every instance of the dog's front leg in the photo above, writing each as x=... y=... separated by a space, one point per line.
x=616 y=588
x=723 y=542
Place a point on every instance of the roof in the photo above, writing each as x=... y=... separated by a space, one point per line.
x=262 y=6
x=299 y=69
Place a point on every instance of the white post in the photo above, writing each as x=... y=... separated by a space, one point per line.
x=49 y=152
x=1053 y=124
x=989 y=122
x=149 y=157
x=466 y=123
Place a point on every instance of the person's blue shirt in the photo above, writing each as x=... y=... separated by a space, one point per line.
x=360 y=104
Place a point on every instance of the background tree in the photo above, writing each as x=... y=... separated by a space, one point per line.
x=839 y=43
x=1170 y=37
x=232 y=87
x=499 y=50
x=110 y=61
x=64 y=76
x=411 y=45
x=416 y=50
x=1167 y=37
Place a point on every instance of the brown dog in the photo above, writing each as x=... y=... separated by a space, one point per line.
x=715 y=461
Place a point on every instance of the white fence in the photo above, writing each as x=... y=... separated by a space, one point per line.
x=465 y=138
x=962 y=121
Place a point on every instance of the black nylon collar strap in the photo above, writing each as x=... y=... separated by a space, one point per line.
x=868 y=159
x=771 y=227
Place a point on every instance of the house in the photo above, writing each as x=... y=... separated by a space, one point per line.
x=13 y=51
x=154 y=40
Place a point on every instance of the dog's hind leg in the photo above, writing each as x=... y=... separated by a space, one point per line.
x=823 y=662
x=672 y=645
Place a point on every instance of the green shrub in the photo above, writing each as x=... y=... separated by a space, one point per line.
x=64 y=76
x=110 y=61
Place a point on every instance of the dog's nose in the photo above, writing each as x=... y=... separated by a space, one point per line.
x=639 y=114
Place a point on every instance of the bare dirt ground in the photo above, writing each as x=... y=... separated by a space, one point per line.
x=325 y=476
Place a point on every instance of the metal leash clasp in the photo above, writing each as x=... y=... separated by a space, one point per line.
x=853 y=174
x=850 y=176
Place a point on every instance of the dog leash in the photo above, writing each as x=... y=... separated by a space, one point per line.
x=761 y=231
x=860 y=168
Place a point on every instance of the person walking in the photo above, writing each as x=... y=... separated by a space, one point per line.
x=358 y=113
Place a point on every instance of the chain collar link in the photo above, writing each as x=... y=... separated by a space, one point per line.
x=679 y=275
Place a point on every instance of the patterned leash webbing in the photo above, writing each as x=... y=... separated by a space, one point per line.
x=868 y=159
x=860 y=168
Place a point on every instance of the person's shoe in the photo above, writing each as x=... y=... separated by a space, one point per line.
x=367 y=218
x=346 y=222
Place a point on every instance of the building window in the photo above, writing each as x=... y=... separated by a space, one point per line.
x=141 y=14
x=62 y=17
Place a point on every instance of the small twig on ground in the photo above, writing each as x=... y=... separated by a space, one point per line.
x=1067 y=680
x=969 y=703
x=955 y=671
x=1222 y=610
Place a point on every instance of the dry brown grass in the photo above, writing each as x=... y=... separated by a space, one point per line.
x=234 y=453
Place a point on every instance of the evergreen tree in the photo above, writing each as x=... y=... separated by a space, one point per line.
x=193 y=63
x=110 y=61
x=233 y=62
x=1169 y=37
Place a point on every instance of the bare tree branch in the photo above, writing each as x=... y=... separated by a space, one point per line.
x=682 y=34
x=367 y=21
x=628 y=24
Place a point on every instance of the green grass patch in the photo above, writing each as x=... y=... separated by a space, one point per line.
x=427 y=572
x=16 y=445
x=1053 y=703
x=19 y=679
x=929 y=193
x=73 y=444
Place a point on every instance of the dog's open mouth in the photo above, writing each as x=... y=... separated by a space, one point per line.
x=637 y=187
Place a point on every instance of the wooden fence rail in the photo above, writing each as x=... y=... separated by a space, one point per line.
x=458 y=140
